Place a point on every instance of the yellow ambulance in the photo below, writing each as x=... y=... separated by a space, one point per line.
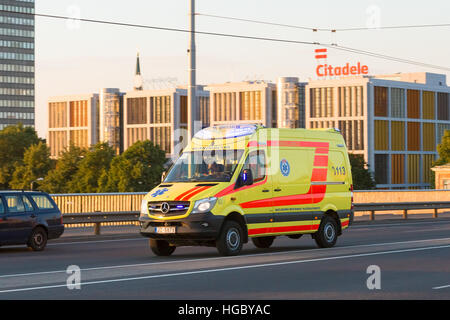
x=235 y=183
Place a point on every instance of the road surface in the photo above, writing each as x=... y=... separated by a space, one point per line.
x=413 y=259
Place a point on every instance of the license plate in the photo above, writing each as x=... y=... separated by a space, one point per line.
x=165 y=230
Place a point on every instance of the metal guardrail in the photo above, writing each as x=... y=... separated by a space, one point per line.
x=404 y=206
x=97 y=218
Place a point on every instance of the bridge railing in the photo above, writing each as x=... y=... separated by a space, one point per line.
x=123 y=208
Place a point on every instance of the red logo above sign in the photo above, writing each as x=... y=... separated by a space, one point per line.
x=324 y=70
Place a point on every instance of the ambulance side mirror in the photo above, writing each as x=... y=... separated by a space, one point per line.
x=246 y=178
x=163 y=176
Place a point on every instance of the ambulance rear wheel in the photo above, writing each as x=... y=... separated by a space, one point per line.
x=327 y=234
x=161 y=247
x=263 y=242
x=230 y=242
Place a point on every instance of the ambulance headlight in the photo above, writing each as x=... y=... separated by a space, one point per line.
x=204 y=205
x=144 y=209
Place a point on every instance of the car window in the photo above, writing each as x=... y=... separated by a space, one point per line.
x=15 y=204
x=2 y=207
x=27 y=204
x=256 y=162
x=42 y=201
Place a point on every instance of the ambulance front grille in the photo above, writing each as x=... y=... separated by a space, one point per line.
x=168 y=208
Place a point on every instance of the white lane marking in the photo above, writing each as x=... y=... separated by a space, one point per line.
x=85 y=242
x=355 y=226
x=360 y=226
x=441 y=287
x=222 y=258
x=95 y=241
x=275 y=264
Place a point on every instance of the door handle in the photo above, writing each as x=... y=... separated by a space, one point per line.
x=277 y=190
x=265 y=190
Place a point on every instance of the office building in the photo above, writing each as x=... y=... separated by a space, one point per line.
x=278 y=105
x=442 y=177
x=16 y=62
x=72 y=119
x=110 y=118
x=394 y=121
x=291 y=103
x=157 y=114
x=245 y=102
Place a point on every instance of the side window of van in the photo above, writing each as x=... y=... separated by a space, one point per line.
x=15 y=204
x=256 y=162
x=2 y=207
x=42 y=202
x=27 y=204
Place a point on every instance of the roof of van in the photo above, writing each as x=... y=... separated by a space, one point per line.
x=219 y=136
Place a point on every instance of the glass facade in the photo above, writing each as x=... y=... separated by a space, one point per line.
x=414 y=131
x=345 y=112
x=291 y=103
x=16 y=62
x=110 y=118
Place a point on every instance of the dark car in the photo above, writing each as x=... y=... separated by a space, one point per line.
x=29 y=217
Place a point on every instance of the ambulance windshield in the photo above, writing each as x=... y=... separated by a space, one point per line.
x=205 y=166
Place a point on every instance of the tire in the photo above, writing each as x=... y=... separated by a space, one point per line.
x=38 y=239
x=263 y=242
x=161 y=247
x=327 y=234
x=230 y=241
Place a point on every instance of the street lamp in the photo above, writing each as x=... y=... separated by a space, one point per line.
x=32 y=182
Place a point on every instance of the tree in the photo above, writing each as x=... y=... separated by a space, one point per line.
x=91 y=168
x=443 y=150
x=35 y=165
x=57 y=180
x=362 y=177
x=139 y=168
x=14 y=140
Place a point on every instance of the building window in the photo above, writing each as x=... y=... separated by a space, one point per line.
x=381 y=165
x=413 y=104
x=380 y=101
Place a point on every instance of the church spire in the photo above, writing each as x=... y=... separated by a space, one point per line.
x=138 y=65
x=138 y=83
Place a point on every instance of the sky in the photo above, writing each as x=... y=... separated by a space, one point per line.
x=78 y=57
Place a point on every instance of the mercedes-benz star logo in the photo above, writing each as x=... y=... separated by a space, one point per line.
x=165 y=207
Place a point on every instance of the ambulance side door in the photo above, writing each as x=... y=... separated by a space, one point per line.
x=291 y=190
x=256 y=199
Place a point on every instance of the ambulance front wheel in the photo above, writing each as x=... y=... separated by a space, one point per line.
x=230 y=242
x=161 y=247
x=263 y=242
x=327 y=234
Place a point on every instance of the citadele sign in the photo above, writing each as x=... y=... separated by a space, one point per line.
x=324 y=69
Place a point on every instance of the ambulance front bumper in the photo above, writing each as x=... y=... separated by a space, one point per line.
x=198 y=226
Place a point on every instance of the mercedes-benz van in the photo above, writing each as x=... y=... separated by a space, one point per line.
x=235 y=183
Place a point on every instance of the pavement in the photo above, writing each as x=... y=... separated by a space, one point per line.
x=413 y=258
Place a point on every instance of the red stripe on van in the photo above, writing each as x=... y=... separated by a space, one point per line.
x=230 y=189
x=190 y=195
x=315 y=194
x=276 y=143
x=319 y=174
x=279 y=229
x=322 y=151
x=185 y=193
x=320 y=161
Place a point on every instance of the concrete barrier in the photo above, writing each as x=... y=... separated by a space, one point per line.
x=383 y=196
x=108 y=202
